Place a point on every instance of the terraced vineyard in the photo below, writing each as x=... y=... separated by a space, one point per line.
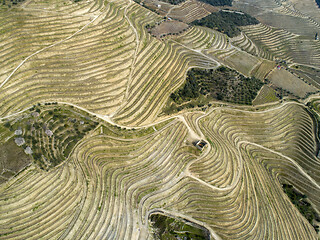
x=87 y=152
x=280 y=44
x=190 y=10
x=266 y=95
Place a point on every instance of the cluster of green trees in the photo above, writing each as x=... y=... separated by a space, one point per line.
x=301 y=203
x=226 y=22
x=218 y=2
x=11 y=2
x=223 y=84
x=189 y=91
x=175 y=228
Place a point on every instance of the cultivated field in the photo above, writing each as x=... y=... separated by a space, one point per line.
x=103 y=68
x=287 y=30
x=86 y=151
x=119 y=177
x=279 y=44
x=293 y=16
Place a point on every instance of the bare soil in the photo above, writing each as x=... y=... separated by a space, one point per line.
x=169 y=28
x=12 y=159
